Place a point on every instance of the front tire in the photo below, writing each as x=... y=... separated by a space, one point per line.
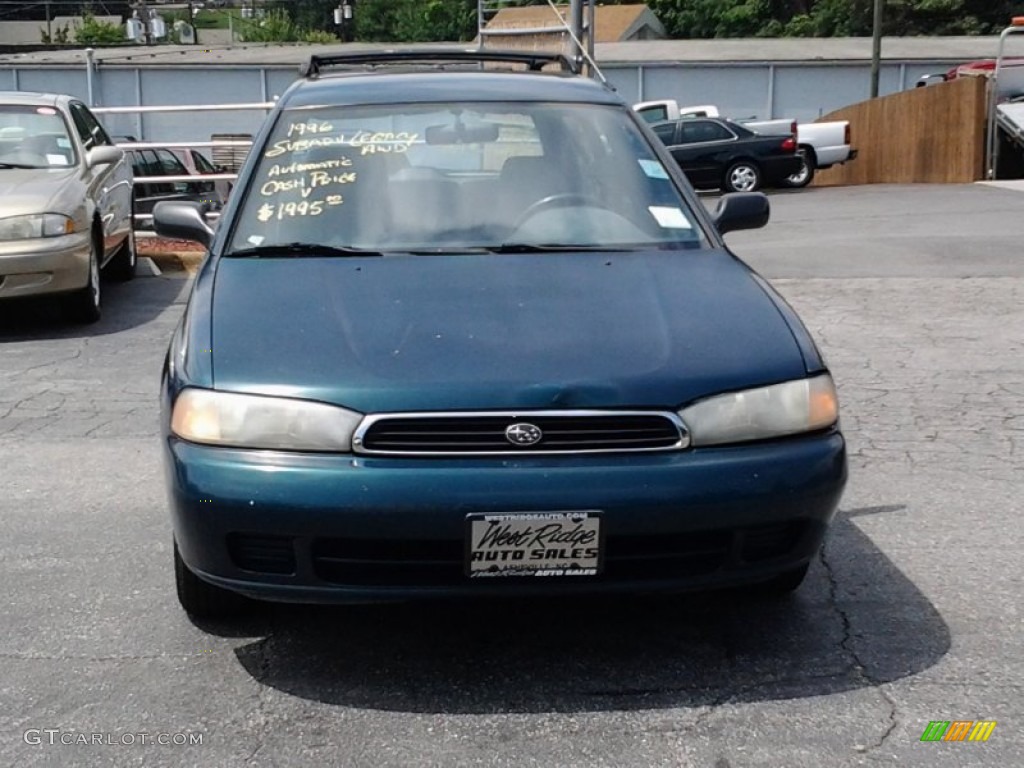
x=804 y=176
x=83 y=306
x=203 y=600
x=742 y=176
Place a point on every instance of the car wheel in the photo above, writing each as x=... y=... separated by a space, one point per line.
x=783 y=583
x=204 y=600
x=742 y=176
x=83 y=306
x=122 y=266
x=804 y=176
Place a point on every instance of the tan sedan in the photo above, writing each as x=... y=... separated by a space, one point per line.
x=65 y=202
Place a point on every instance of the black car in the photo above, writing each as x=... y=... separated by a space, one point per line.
x=164 y=162
x=715 y=153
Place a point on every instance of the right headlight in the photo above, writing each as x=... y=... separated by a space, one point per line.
x=258 y=421
x=35 y=225
x=804 y=405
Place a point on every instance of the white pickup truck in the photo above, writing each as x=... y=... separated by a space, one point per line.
x=821 y=145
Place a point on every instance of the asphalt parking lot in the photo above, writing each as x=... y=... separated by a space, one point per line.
x=912 y=614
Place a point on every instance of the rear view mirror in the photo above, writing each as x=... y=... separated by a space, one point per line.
x=181 y=221
x=461 y=134
x=103 y=156
x=741 y=210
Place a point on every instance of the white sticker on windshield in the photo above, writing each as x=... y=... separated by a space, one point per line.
x=653 y=169
x=56 y=160
x=64 y=143
x=256 y=239
x=669 y=218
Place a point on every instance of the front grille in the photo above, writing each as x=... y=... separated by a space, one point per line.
x=381 y=562
x=484 y=433
x=441 y=562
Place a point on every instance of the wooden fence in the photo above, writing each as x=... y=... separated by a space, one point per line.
x=933 y=135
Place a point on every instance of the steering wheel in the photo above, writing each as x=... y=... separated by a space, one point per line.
x=560 y=200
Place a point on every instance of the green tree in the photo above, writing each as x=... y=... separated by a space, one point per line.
x=311 y=14
x=94 y=32
x=832 y=18
x=278 y=26
x=713 y=18
x=415 y=21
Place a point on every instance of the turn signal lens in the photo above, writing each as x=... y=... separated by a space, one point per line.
x=257 y=421
x=790 y=408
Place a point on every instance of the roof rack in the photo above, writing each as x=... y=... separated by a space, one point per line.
x=535 y=61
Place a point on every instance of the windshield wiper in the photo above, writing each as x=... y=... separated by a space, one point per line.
x=20 y=165
x=553 y=248
x=302 y=249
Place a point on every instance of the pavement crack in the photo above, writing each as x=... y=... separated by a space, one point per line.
x=101 y=425
x=74 y=356
x=860 y=671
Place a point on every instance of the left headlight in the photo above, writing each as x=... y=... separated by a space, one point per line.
x=783 y=409
x=256 y=421
x=35 y=225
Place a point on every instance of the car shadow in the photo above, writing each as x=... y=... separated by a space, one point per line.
x=125 y=305
x=856 y=622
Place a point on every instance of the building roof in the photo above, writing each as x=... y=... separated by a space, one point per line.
x=798 y=49
x=690 y=52
x=612 y=23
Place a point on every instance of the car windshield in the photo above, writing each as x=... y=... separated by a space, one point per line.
x=441 y=177
x=34 y=137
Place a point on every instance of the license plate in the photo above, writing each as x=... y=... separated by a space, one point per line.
x=534 y=544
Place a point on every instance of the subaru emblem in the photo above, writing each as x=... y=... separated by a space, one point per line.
x=523 y=434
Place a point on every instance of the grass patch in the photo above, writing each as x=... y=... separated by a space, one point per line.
x=218 y=18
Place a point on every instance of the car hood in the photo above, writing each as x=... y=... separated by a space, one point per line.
x=30 y=190
x=561 y=330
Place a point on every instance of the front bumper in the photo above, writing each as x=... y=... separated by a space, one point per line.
x=837 y=155
x=321 y=528
x=44 y=265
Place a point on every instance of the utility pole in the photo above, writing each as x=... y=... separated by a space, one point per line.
x=49 y=31
x=576 y=25
x=192 y=21
x=142 y=14
x=876 y=47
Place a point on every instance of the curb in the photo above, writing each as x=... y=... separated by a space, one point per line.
x=174 y=261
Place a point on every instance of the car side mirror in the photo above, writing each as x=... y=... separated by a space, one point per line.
x=103 y=156
x=741 y=210
x=182 y=220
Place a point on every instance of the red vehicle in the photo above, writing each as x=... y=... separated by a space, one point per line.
x=1011 y=75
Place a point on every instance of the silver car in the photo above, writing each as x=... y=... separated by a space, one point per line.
x=65 y=202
